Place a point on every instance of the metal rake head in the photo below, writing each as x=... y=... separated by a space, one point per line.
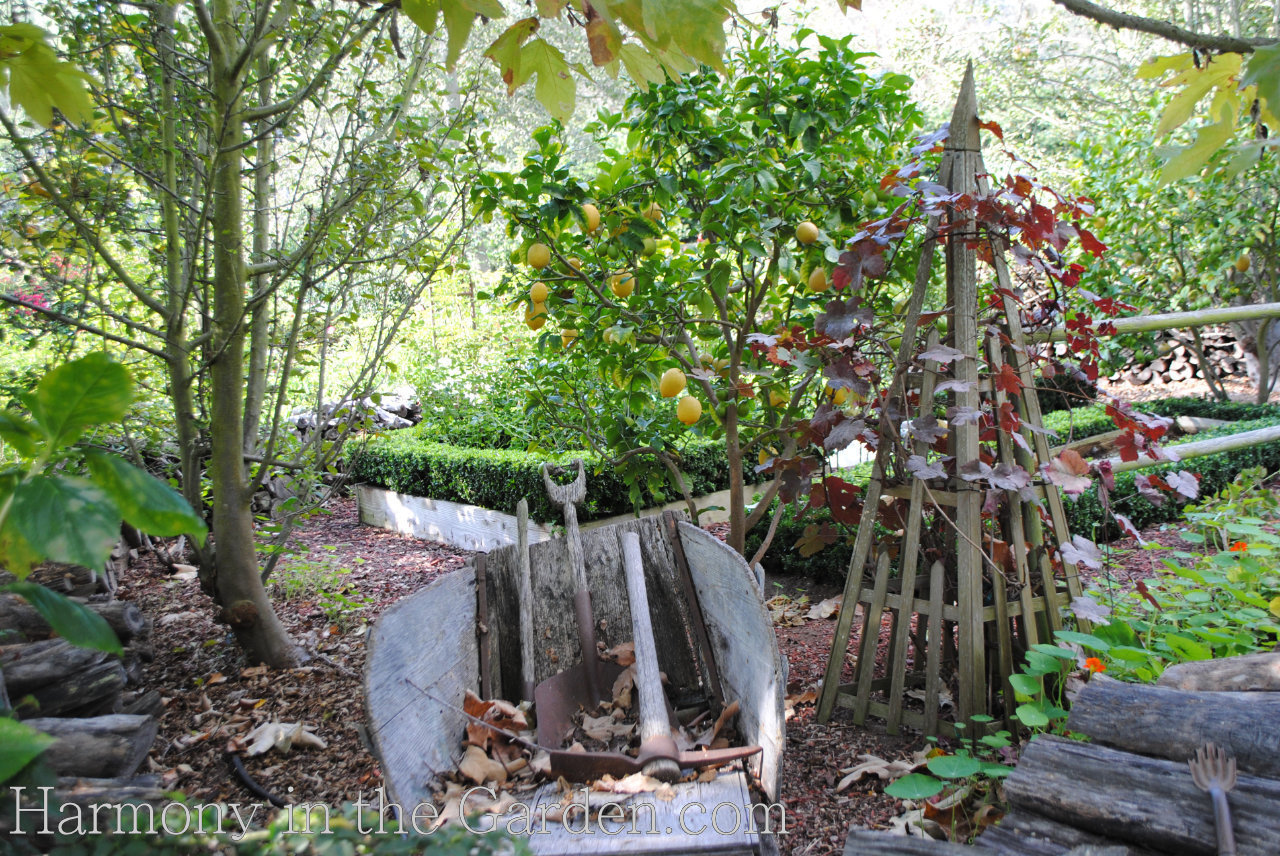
x=1213 y=767
x=564 y=494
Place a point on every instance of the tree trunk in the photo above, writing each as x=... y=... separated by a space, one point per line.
x=737 y=507
x=238 y=584
x=1170 y=723
x=102 y=747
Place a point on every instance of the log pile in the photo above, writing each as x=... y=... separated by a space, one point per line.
x=1176 y=358
x=90 y=701
x=389 y=412
x=1128 y=791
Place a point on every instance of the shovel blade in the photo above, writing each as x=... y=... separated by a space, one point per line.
x=558 y=698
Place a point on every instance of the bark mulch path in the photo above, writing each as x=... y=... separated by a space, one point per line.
x=214 y=697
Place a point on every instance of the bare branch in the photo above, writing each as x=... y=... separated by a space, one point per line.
x=1163 y=29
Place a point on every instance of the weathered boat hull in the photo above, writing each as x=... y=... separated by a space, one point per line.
x=428 y=649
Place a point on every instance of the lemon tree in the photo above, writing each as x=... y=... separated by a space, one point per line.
x=717 y=201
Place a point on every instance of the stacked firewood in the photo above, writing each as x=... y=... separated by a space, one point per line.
x=1176 y=358
x=90 y=701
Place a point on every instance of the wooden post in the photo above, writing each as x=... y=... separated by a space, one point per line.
x=963 y=153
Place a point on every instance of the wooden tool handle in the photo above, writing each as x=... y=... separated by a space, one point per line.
x=526 y=598
x=653 y=706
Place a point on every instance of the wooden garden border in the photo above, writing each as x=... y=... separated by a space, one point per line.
x=474 y=528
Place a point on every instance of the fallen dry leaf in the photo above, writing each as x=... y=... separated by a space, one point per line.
x=872 y=765
x=623 y=655
x=281 y=736
x=605 y=728
x=623 y=686
x=479 y=768
x=826 y=609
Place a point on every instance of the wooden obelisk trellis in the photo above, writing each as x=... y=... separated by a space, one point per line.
x=988 y=606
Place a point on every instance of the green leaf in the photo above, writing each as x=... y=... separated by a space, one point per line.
x=555 y=88
x=89 y=391
x=1188 y=649
x=38 y=80
x=424 y=13
x=19 y=433
x=144 y=501
x=1032 y=716
x=20 y=744
x=993 y=770
x=71 y=620
x=62 y=518
x=641 y=65
x=914 y=786
x=1025 y=685
x=1085 y=640
x=1263 y=70
x=954 y=766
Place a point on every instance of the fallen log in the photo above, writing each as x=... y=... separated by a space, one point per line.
x=95 y=689
x=149 y=703
x=102 y=747
x=1169 y=723
x=71 y=580
x=1021 y=833
x=867 y=842
x=1149 y=802
x=28 y=666
x=1245 y=673
x=124 y=617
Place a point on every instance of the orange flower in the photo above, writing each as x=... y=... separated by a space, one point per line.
x=1239 y=547
x=1093 y=664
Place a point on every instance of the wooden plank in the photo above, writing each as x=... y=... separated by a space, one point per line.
x=1179 y=320
x=1200 y=448
x=871 y=618
x=963 y=154
x=421 y=660
x=702 y=642
x=745 y=647
x=1016 y=544
x=702 y=818
x=1243 y=673
x=474 y=528
x=933 y=658
x=950 y=612
x=551 y=609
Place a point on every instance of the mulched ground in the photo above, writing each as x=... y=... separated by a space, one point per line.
x=215 y=699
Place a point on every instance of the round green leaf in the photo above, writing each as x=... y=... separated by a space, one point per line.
x=954 y=766
x=1025 y=685
x=914 y=786
x=1032 y=716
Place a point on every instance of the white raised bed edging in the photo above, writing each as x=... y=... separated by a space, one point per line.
x=474 y=528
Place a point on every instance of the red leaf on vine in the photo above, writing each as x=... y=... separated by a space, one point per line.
x=1150 y=488
x=993 y=128
x=815 y=537
x=1007 y=381
x=1009 y=421
x=1127 y=527
x=1129 y=446
x=1184 y=483
x=1090 y=244
x=1070 y=472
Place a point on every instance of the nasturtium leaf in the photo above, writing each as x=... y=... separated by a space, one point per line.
x=144 y=501
x=914 y=786
x=1032 y=716
x=20 y=744
x=65 y=519
x=1025 y=685
x=954 y=766
x=89 y=391
x=1188 y=649
x=993 y=770
x=1085 y=640
x=71 y=620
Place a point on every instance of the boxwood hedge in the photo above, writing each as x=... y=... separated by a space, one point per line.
x=497 y=479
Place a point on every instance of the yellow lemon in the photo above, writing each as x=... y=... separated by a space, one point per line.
x=1243 y=263
x=567 y=336
x=818 y=280
x=535 y=316
x=689 y=410
x=591 y=217
x=653 y=212
x=777 y=398
x=622 y=284
x=672 y=383
x=807 y=232
x=538 y=293
x=539 y=256
x=574 y=262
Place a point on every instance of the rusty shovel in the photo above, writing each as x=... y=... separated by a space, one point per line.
x=583 y=685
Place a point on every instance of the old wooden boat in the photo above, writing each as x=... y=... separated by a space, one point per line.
x=462 y=633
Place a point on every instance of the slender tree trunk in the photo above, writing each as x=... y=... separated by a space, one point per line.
x=737 y=507
x=240 y=591
x=260 y=315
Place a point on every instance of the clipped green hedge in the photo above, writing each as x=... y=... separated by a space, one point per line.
x=1093 y=420
x=498 y=478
